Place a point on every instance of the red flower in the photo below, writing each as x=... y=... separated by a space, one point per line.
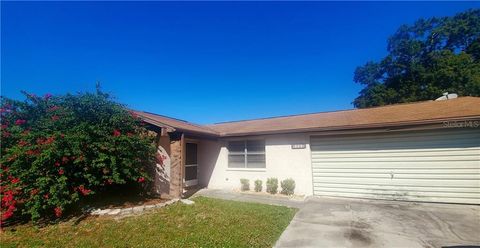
x=40 y=141
x=61 y=171
x=22 y=143
x=11 y=158
x=83 y=190
x=64 y=160
x=15 y=180
x=55 y=118
x=20 y=122
x=49 y=140
x=9 y=213
x=32 y=152
x=53 y=108
x=58 y=211
x=47 y=96
x=46 y=196
x=133 y=114
x=34 y=191
x=6 y=134
x=57 y=164
x=141 y=180
x=4 y=126
x=116 y=133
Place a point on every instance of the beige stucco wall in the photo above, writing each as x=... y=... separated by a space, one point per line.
x=281 y=162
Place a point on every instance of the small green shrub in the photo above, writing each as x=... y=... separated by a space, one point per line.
x=258 y=185
x=245 y=184
x=288 y=186
x=272 y=185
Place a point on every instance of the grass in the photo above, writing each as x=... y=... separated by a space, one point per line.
x=207 y=223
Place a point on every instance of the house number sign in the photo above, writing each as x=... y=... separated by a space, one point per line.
x=298 y=146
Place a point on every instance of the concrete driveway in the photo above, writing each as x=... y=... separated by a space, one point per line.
x=332 y=222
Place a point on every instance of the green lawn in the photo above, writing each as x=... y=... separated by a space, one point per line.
x=207 y=223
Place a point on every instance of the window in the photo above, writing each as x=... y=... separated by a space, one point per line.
x=246 y=154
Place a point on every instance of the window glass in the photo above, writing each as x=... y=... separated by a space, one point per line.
x=255 y=146
x=236 y=161
x=191 y=154
x=190 y=173
x=236 y=146
x=246 y=154
x=256 y=161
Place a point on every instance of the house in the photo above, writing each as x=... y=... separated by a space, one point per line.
x=424 y=151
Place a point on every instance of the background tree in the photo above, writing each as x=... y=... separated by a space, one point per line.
x=424 y=60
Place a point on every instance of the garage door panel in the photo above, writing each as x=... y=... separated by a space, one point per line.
x=404 y=198
x=321 y=186
x=388 y=193
x=395 y=159
x=399 y=153
x=387 y=175
x=463 y=143
x=398 y=182
x=399 y=165
x=432 y=171
x=440 y=165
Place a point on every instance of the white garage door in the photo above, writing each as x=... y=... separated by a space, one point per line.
x=433 y=166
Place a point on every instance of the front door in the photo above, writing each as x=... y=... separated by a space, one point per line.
x=191 y=165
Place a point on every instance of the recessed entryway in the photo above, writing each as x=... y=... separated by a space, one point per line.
x=191 y=164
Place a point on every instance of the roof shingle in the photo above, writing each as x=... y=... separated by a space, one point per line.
x=390 y=115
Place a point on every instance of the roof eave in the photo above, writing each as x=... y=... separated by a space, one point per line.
x=354 y=127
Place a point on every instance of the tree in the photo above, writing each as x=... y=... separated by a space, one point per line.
x=424 y=60
x=57 y=150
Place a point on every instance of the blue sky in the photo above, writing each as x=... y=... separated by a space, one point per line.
x=204 y=62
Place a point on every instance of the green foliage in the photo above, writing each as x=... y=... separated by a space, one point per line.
x=245 y=184
x=57 y=150
x=424 y=60
x=288 y=186
x=272 y=185
x=258 y=185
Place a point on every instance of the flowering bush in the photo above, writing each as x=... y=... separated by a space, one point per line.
x=58 y=149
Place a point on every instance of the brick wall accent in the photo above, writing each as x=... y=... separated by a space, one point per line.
x=176 y=165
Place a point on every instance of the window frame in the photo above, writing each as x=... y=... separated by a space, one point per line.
x=245 y=153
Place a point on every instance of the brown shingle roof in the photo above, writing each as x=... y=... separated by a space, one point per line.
x=175 y=124
x=391 y=115
x=386 y=116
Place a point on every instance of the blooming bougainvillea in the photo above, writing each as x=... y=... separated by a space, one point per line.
x=58 y=149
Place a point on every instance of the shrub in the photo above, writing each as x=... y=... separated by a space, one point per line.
x=272 y=185
x=258 y=185
x=288 y=186
x=57 y=150
x=245 y=184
